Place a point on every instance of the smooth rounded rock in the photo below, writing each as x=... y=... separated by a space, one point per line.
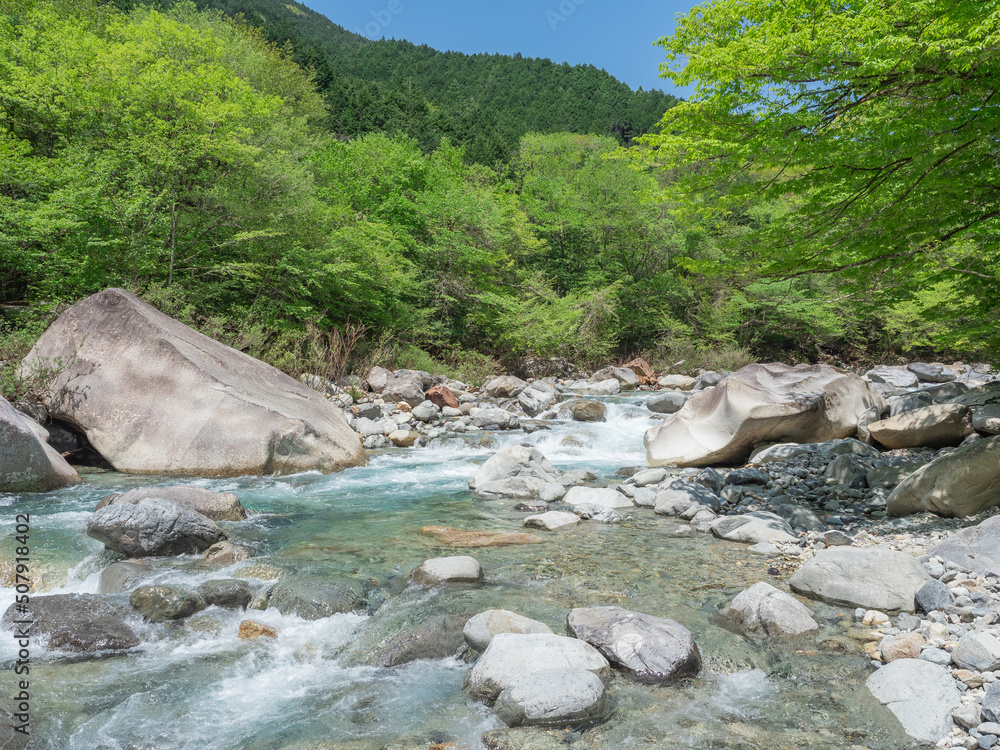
x=764 y=610
x=313 y=598
x=588 y=411
x=753 y=528
x=122 y=576
x=82 y=623
x=602 y=497
x=455 y=569
x=481 y=628
x=516 y=472
x=229 y=593
x=552 y=698
x=666 y=402
x=27 y=462
x=552 y=520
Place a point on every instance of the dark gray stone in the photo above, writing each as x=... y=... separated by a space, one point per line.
x=83 y=623
x=313 y=598
x=162 y=603
x=437 y=638
x=229 y=593
x=153 y=527
x=747 y=475
x=931 y=596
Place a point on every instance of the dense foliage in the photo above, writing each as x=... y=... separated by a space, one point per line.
x=878 y=121
x=184 y=156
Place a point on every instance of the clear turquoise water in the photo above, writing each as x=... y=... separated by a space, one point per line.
x=198 y=687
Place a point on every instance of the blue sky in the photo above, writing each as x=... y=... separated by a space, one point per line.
x=617 y=37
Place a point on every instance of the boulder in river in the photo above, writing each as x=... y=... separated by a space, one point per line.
x=538 y=397
x=920 y=694
x=162 y=603
x=156 y=397
x=219 y=506
x=552 y=698
x=764 y=610
x=961 y=483
x=513 y=656
x=313 y=598
x=27 y=462
x=869 y=577
x=153 y=527
x=123 y=575
x=455 y=569
x=83 y=623
x=761 y=403
x=228 y=593
x=667 y=402
x=517 y=472
x=648 y=649
x=436 y=638
x=480 y=629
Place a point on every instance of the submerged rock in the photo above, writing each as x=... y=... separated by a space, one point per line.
x=84 y=623
x=436 y=638
x=153 y=527
x=27 y=462
x=457 y=569
x=760 y=403
x=313 y=598
x=251 y=629
x=219 y=506
x=156 y=397
x=646 y=648
x=471 y=538
x=869 y=577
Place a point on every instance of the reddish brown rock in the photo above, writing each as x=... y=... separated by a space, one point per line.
x=471 y=538
x=905 y=646
x=441 y=396
x=642 y=371
x=249 y=629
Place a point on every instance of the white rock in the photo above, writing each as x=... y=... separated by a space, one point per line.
x=551 y=520
x=480 y=629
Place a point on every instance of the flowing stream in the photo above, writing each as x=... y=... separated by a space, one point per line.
x=196 y=686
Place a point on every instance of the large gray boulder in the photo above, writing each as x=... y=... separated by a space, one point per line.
x=539 y=396
x=406 y=386
x=898 y=377
x=932 y=372
x=648 y=649
x=219 y=506
x=920 y=694
x=156 y=397
x=975 y=548
x=27 y=462
x=758 y=404
x=930 y=426
x=517 y=472
x=153 y=527
x=764 y=610
x=754 y=528
x=552 y=698
x=961 y=483
x=82 y=623
x=680 y=495
x=869 y=577
x=504 y=386
x=512 y=656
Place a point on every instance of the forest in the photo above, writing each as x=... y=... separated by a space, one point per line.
x=284 y=186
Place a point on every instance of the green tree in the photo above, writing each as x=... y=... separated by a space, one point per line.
x=878 y=119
